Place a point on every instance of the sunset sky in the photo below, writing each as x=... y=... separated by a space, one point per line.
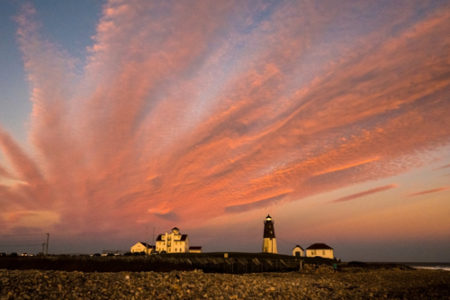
x=120 y=119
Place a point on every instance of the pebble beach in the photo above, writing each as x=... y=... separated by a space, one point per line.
x=354 y=284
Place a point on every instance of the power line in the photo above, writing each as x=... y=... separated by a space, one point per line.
x=15 y=241
x=46 y=243
x=20 y=245
x=19 y=234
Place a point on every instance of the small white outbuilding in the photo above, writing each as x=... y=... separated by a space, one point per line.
x=142 y=247
x=195 y=249
x=298 y=251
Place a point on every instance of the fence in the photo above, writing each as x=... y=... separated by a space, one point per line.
x=208 y=262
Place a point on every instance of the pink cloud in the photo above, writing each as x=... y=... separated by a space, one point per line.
x=256 y=204
x=428 y=191
x=182 y=114
x=443 y=167
x=5 y=173
x=365 y=193
x=22 y=164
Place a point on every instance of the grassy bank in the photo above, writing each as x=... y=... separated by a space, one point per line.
x=207 y=262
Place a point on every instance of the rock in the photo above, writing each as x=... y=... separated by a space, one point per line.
x=196 y=284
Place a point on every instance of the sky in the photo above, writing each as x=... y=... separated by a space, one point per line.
x=122 y=119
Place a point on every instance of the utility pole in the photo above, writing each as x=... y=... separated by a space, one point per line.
x=46 y=244
x=153 y=239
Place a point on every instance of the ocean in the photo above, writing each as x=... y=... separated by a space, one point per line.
x=429 y=266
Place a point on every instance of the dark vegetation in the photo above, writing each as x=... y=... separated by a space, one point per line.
x=207 y=262
x=357 y=266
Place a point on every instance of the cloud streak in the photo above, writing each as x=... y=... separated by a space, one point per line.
x=365 y=193
x=257 y=204
x=443 y=167
x=428 y=191
x=191 y=110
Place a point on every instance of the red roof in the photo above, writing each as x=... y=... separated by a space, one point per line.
x=320 y=246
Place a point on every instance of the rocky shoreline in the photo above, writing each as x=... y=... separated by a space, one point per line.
x=348 y=284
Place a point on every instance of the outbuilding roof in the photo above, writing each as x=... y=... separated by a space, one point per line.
x=146 y=245
x=317 y=246
x=195 y=247
x=298 y=246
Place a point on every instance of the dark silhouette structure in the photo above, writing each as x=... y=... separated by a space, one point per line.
x=269 y=240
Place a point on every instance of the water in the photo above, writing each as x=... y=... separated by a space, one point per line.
x=430 y=266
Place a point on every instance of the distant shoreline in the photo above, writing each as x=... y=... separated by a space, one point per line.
x=423 y=265
x=430 y=266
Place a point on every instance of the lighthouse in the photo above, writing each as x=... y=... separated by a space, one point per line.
x=269 y=240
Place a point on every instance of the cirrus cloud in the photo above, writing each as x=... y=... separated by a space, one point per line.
x=365 y=193
x=428 y=191
x=188 y=110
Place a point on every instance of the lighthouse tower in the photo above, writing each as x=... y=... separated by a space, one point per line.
x=269 y=240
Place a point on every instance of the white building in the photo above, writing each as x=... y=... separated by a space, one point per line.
x=298 y=251
x=172 y=242
x=142 y=247
x=195 y=249
x=320 y=250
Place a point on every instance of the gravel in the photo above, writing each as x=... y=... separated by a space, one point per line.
x=357 y=284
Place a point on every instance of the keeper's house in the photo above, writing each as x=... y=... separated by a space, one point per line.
x=142 y=247
x=172 y=242
x=320 y=250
